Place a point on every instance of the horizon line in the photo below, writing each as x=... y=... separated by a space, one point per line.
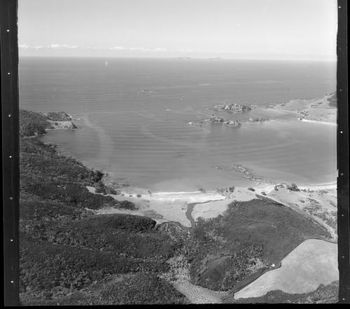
x=216 y=58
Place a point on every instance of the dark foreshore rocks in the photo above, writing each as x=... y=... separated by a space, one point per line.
x=290 y=187
x=246 y=172
x=231 y=123
x=258 y=119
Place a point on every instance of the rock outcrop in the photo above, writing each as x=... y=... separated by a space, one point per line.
x=232 y=108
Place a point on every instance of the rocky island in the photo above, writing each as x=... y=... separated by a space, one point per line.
x=232 y=108
x=213 y=119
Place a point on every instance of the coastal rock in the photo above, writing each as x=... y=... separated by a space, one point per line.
x=55 y=125
x=258 y=119
x=213 y=119
x=246 y=172
x=232 y=123
x=232 y=108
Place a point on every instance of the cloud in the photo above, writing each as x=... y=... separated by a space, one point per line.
x=138 y=49
x=24 y=46
x=50 y=46
x=118 y=48
x=62 y=46
x=185 y=50
x=160 y=49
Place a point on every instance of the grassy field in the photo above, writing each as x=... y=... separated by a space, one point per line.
x=248 y=238
x=312 y=263
x=322 y=295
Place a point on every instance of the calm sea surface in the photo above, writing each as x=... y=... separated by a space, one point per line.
x=133 y=115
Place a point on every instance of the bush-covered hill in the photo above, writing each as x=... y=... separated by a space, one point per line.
x=65 y=249
x=32 y=123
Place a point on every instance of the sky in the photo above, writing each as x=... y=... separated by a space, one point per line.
x=242 y=29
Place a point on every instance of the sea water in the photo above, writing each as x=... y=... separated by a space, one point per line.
x=133 y=119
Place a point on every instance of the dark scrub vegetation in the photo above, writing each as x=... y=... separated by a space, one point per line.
x=66 y=250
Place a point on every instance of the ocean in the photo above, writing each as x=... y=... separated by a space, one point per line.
x=132 y=116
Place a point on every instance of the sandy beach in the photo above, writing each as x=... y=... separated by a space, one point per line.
x=319 y=122
x=318 y=201
x=318 y=111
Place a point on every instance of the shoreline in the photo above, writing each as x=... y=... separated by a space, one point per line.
x=185 y=207
x=318 y=122
x=215 y=195
x=319 y=187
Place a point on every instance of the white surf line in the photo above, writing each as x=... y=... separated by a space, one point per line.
x=318 y=122
x=189 y=197
x=321 y=186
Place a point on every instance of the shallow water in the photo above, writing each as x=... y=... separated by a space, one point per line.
x=133 y=117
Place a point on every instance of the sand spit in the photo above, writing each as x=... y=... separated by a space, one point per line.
x=161 y=206
x=213 y=209
x=312 y=263
x=197 y=294
x=314 y=111
x=179 y=277
x=318 y=202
